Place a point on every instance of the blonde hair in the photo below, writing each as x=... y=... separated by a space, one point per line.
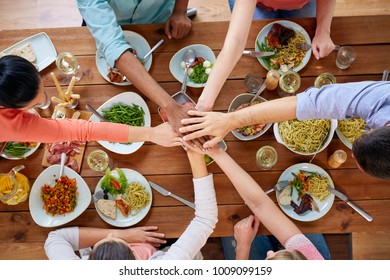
x=288 y=255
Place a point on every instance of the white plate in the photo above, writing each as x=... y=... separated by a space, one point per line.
x=29 y=153
x=324 y=206
x=122 y=221
x=127 y=98
x=289 y=24
x=43 y=48
x=48 y=176
x=135 y=40
x=242 y=99
x=333 y=126
x=175 y=63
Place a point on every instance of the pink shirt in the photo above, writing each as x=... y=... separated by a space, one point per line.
x=18 y=125
x=142 y=251
x=282 y=4
x=302 y=244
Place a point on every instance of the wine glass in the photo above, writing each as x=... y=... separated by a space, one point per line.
x=289 y=83
x=99 y=161
x=67 y=64
x=266 y=157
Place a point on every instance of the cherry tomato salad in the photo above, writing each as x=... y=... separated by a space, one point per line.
x=199 y=71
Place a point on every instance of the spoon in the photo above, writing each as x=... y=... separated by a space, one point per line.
x=151 y=50
x=189 y=58
x=261 y=89
x=62 y=164
x=96 y=113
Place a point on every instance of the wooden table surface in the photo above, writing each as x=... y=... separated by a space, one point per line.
x=370 y=37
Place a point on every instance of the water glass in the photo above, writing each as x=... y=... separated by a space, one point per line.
x=345 y=56
x=44 y=105
x=68 y=65
x=289 y=83
x=324 y=79
x=266 y=157
x=253 y=82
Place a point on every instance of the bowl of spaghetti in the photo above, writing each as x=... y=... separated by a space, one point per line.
x=349 y=130
x=305 y=137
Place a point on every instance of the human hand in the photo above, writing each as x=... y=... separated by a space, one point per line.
x=145 y=234
x=245 y=231
x=178 y=26
x=164 y=135
x=322 y=44
x=213 y=124
x=175 y=113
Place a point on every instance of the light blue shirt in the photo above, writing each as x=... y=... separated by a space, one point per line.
x=104 y=18
x=368 y=100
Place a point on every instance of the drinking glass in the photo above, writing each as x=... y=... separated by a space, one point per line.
x=289 y=83
x=46 y=104
x=345 y=56
x=67 y=64
x=266 y=157
x=253 y=82
x=98 y=160
x=324 y=79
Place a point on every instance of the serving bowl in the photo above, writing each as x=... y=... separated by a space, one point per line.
x=175 y=63
x=241 y=99
x=329 y=136
x=49 y=177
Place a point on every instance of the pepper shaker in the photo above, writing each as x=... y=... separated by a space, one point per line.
x=337 y=158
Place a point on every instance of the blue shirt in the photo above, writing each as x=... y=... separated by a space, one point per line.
x=368 y=100
x=104 y=18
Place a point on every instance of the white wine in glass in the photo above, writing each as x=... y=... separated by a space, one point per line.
x=266 y=157
x=289 y=83
x=67 y=64
x=98 y=160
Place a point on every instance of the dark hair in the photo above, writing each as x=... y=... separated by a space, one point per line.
x=112 y=250
x=372 y=152
x=19 y=81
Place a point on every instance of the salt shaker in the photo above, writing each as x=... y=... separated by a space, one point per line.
x=337 y=158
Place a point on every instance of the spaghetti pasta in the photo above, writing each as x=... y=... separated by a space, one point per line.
x=137 y=197
x=304 y=136
x=352 y=128
x=312 y=183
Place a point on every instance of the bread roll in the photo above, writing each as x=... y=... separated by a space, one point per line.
x=107 y=208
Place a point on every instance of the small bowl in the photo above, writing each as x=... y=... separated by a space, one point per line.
x=242 y=99
x=175 y=63
x=333 y=126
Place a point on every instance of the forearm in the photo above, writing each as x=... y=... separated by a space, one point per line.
x=231 y=52
x=198 y=165
x=242 y=251
x=325 y=9
x=255 y=198
x=180 y=7
x=277 y=110
x=129 y=66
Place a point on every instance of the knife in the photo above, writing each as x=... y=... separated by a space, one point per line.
x=258 y=54
x=96 y=113
x=165 y=192
x=344 y=198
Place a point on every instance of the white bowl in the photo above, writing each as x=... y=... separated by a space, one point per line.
x=48 y=176
x=127 y=98
x=242 y=99
x=333 y=126
x=175 y=63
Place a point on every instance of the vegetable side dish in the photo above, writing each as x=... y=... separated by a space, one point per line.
x=250 y=130
x=60 y=199
x=199 y=71
x=19 y=149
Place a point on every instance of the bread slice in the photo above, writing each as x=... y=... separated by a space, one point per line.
x=107 y=208
x=26 y=51
x=122 y=205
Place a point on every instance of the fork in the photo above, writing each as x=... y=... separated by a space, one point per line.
x=279 y=186
x=305 y=46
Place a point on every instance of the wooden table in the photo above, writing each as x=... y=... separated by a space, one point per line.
x=370 y=37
